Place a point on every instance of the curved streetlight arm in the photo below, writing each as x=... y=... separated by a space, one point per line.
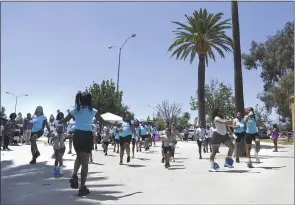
x=125 y=42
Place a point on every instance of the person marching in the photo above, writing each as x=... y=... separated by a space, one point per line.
x=116 y=137
x=39 y=122
x=82 y=137
x=106 y=137
x=275 y=136
x=59 y=148
x=167 y=143
x=52 y=125
x=9 y=129
x=27 y=128
x=200 y=136
x=143 y=137
x=239 y=131
x=220 y=136
x=70 y=131
x=207 y=141
x=95 y=130
x=126 y=130
x=154 y=132
x=251 y=135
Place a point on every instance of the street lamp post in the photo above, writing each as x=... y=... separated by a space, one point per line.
x=153 y=111
x=119 y=63
x=16 y=97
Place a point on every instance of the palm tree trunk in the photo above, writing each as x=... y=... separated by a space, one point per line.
x=238 y=75
x=239 y=95
x=201 y=91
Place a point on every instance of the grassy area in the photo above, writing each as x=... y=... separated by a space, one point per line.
x=282 y=142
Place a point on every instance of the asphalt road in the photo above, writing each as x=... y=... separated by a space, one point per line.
x=145 y=180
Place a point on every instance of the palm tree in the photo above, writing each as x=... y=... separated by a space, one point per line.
x=239 y=95
x=203 y=34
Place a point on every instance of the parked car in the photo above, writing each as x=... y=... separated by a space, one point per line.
x=191 y=134
x=262 y=131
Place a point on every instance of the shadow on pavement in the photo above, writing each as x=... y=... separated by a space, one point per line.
x=264 y=146
x=35 y=183
x=275 y=168
x=268 y=157
x=237 y=171
x=135 y=165
x=176 y=168
x=142 y=159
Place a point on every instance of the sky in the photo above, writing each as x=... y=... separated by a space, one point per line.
x=50 y=50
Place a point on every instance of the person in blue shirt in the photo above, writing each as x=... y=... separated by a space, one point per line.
x=126 y=130
x=143 y=136
x=135 y=137
x=251 y=135
x=239 y=131
x=116 y=137
x=39 y=122
x=82 y=137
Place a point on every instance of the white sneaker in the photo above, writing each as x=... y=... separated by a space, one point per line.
x=228 y=166
x=212 y=169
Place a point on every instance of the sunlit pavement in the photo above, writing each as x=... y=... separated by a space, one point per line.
x=145 y=180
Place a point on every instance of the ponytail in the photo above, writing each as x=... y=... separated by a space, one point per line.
x=78 y=100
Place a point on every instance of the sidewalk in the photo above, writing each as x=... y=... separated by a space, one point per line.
x=146 y=181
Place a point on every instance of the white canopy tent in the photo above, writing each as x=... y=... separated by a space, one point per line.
x=110 y=117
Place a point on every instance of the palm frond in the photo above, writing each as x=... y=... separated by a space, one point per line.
x=202 y=29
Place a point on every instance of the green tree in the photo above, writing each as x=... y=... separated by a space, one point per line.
x=217 y=95
x=19 y=119
x=238 y=75
x=203 y=34
x=183 y=121
x=275 y=57
x=105 y=98
x=148 y=119
x=262 y=115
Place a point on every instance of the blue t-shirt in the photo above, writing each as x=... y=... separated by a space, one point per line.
x=143 y=130
x=240 y=129
x=116 y=133
x=83 y=118
x=38 y=123
x=137 y=130
x=251 y=125
x=126 y=130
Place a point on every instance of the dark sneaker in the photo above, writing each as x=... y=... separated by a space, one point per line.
x=83 y=191
x=249 y=165
x=121 y=162
x=74 y=182
x=70 y=152
x=237 y=160
x=166 y=165
x=105 y=153
x=95 y=147
x=162 y=161
x=128 y=159
x=38 y=154
x=200 y=157
x=33 y=161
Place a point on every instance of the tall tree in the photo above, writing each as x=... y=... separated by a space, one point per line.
x=106 y=99
x=203 y=34
x=217 y=95
x=168 y=112
x=239 y=91
x=275 y=57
